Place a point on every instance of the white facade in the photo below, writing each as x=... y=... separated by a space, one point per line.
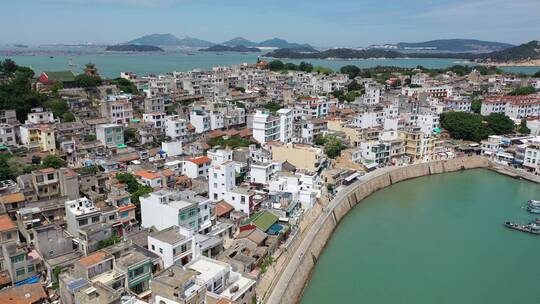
x=200 y=120
x=172 y=148
x=156 y=118
x=221 y=179
x=285 y=125
x=175 y=127
x=173 y=245
x=219 y=156
x=7 y=135
x=39 y=116
x=265 y=127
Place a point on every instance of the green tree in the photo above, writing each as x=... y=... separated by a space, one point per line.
x=305 y=67
x=276 y=65
x=130 y=135
x=323 y=70
x=273 y=106
x=6 y=171
x=523 y=129
x=522 y=91
x=465 y=126
x=500 y=123
x=476 y=105
x=87 y=81
x=350 y=70
x=125 y=85
x=130 y=180
x=355 y=86
x=108 y=242
x=68 y=117
x=53 y=161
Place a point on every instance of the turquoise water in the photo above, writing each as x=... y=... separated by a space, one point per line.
x=436 y=239
x=111 y=64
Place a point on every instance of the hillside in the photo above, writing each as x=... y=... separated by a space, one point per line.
x=335 y=53
x=133 y=48
x=527 y=51
x=224 y=48
x=284 y=44
x=455 y=45
x=240 y=41
x=170 y=40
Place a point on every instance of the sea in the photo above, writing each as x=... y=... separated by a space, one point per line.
x=435 y=239
x=110 y=64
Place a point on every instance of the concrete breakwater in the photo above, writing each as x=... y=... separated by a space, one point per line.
x=290 y=285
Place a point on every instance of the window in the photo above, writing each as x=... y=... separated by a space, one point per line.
x=20 y=272
x=161 y=250
x=183 y=248
x=153 y=248
x=17 y=259
x=50 y=176
x=31 y=268
x=95 y=219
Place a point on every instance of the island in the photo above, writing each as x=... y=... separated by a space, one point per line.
x=237 y=49
x=133 y=48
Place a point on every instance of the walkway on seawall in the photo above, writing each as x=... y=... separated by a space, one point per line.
x=290 y=284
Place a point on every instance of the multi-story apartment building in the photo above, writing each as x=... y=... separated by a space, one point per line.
x=221 y=179
x=111 y=135
x=163 y=209
x=7 y=135
x=301 y=156
x=516 y=107
x=268 y=127
x=177 y=285
x=40 y=137
x=176 y=127
x=200 y=120
x=117 y=108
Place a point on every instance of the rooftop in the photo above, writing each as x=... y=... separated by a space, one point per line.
x=170 y=235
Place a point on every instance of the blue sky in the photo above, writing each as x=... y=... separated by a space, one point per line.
x=318 y=22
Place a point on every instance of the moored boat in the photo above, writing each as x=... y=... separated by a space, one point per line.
x=534 y=203
x=533 y=210
x=530 y=228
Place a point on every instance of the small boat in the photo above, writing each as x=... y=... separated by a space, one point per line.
x=537 y=221
x=71 y=64
x=530 y=228
x=533 y=210
x=534 y=203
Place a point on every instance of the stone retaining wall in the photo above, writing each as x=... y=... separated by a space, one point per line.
x=354 y=194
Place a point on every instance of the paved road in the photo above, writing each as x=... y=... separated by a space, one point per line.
x=283 y=282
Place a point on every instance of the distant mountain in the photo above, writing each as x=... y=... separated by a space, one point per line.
x=284 y=44
x=156 y=39
x=170 y=40
x=530 y=50
x=455 y=45
x=240 y=41
x=271 y=43
x=224 y=48
x=133 y=48
x=194 y=42
x=334 y=53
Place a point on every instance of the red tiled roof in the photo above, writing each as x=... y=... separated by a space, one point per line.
x=24 y=294
x=12 y=198
x=93 y=258
x=6 y=223
x=222 y=208
x=199 y=160
x=147 y=174
x=127 y=208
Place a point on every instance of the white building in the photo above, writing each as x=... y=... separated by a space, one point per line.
x=220 y=279
x=372 y=95
x=173 y=245
x=515 y=107
x=7 y=135
x=285 y=125
x=219 y=156
x=200 y=120
x=491 y=146
x=266 y=127
x=221 y=179
x=172 y=148
x=156 y=118
x=111 y=135
x=196 y=166
x=163 y=209
x=532 y=156
x=175 y=127
x=39 y=116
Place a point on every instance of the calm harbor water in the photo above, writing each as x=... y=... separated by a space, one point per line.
x=111 y=64
x=435 y=239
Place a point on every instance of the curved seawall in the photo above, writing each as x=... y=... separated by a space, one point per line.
x=295 y=276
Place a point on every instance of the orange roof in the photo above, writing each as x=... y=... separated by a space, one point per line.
x=181 y=179
x=223 y=208
x=6 y=223
x=199 y=160
x=129 y=158
x=127 y=207
x=12 y=198
x=93 y=258
x=215 y=133
x=47 y=170
x=24 y=294
x=146 y=174
x=167 y=172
